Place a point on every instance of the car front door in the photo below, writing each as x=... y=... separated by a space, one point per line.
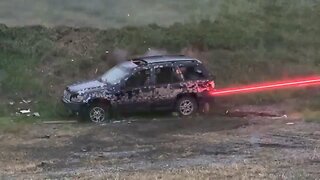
x=167 y=86
x=136 y=92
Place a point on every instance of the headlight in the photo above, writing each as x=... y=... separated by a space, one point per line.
x=76 y=98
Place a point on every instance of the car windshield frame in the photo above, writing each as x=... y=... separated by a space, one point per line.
x=115 y=74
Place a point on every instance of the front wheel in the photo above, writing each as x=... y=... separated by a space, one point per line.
x=98 y=113
x=187 y=106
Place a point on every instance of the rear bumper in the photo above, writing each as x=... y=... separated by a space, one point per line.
x=74 y=107
x=206 y=97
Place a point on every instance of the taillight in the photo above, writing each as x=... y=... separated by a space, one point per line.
x=212 y=84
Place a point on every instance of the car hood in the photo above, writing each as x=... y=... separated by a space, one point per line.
x=86 y=86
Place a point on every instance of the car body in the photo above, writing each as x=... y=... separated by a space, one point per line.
x=143 y=84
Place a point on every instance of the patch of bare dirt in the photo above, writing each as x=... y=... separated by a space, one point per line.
x=168 y=146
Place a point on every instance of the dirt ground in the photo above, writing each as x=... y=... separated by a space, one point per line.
x=258 y=146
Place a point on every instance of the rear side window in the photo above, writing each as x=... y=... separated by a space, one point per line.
x=166 y=75
x=193 y=72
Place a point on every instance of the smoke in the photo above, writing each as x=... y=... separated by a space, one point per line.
x=120 y=55
x=155 y=52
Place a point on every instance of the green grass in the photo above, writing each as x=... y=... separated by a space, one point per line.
x=114 y=13
x=15 y=125
x=243 y=41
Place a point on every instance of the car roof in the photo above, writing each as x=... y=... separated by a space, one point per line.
x=163 y=59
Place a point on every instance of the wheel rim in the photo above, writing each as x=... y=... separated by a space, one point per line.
x=97 y=115
x=186 y=107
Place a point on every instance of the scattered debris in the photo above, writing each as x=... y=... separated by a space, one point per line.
x=96 y=71
x=45 y=137
x=72 y=60
x=25 y=111
x=107 y=52
x=280 y=117
x=36 y=114
x=128 y=15
x=11 y=103
x=290 y=123
x=26 y=101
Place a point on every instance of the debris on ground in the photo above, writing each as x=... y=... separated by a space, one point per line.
x=290 y=123
x=45 y=137
x=36 y=114
x=25 y=111
x=281 y=117
x=249 y=111
x=26 y=101
x=11 y=103
x=163 y=145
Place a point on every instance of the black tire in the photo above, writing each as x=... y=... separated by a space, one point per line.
x=97 y=113
x=187 y=106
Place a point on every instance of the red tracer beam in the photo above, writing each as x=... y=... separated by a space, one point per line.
x=294 y=83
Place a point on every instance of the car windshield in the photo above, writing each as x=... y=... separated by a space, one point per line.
x=115 y=75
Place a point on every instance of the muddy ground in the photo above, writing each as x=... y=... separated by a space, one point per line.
x=258 y=146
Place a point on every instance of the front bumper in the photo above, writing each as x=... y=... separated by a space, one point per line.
x=74 y=107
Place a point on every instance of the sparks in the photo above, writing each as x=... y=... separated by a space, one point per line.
x=294 y=83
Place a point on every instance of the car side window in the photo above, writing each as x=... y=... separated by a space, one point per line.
x=166 y=75
x=191 y=72
x=138 y=79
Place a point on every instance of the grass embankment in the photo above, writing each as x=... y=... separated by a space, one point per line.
x=272 y=40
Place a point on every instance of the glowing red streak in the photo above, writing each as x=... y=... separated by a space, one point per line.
x=303 y=82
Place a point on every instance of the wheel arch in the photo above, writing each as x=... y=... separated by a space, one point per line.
x=99 y=101
x=193 y=95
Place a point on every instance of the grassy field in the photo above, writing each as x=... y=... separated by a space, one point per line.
x=240 y=41
x=118 y=13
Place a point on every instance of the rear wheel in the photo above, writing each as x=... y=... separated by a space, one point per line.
x=98 y=113
x=187 y=106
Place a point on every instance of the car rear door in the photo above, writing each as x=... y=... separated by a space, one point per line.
x=167 y=85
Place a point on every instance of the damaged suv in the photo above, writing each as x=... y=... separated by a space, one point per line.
x=177 y=83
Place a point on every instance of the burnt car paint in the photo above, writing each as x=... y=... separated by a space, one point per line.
x=150 y=96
